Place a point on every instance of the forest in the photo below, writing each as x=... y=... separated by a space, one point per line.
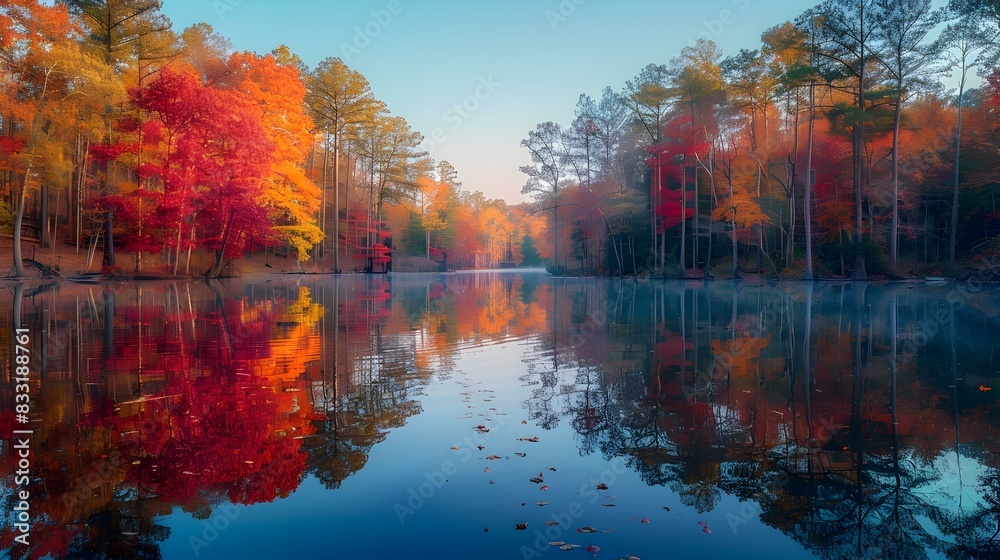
x=848 y=143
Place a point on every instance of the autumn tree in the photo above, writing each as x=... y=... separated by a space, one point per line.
x=901 y=27
x=134 y=39
x=211 y=154
x=338 y=98
x=846 y=39
x=967 y=43
x=291 y=198
x=742 y=212
x=697 y=81
x=206 y=51
x=649 y=98
x=35 y=59
x=548 y=173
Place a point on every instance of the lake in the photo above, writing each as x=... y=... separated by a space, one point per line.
x=488 y=415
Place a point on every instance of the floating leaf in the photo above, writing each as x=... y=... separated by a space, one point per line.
x=453 y=448
x=544 y=487
x=533 y=439
x=593 y=549
x=608 y=505
x=520 y=526
x=645 y=520
x=487 y=469
x=493 y=457
x=569 y=546
x=541 y=503
x=602 y=486
x=520 y=454
x=556 y=543
x=536 y=480
x=551 y=523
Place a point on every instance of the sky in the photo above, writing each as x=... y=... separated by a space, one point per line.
x=474 y=77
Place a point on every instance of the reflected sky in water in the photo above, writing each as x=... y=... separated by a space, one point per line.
x=428 y=416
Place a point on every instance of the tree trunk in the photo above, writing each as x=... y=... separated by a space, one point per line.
x=859 y=272
x=683 y=212
x=958 y=159
x=807 y=203
x=894 y=235
x=18 y=220
x=322 y=211
x=336 y=201
x=43 y=218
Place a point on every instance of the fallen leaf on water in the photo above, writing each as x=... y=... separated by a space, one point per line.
x=984 y=388
x=593 y=549
x=533 y=439
x=706 y=529
x=541 y=503
x=602 y=486
x=666 y=508
x=491 y=482
x=644 y=520
x=520 y=454
x=536 y=480
x=544 y=487
x=553 y=469
x=520 y=526
x=608 y=505
x=481 y=447
x=493 y=457
x=569 y=546
x=551 y=523
x=487 y=469
x=556 y=543
x=453 y=448
x=524 y=422
x=586 y=529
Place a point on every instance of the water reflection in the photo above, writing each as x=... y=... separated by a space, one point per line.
x=856 y=419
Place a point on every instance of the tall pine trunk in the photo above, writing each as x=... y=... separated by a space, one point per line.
x=807 y=203
x=958 y=159
x=894 y=235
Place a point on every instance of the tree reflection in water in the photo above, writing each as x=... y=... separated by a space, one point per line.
x=841 y=412
x=855 y=419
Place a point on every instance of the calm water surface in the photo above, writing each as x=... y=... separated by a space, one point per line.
x=430 y=416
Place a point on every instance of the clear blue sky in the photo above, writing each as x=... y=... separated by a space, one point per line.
x=529 y=60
